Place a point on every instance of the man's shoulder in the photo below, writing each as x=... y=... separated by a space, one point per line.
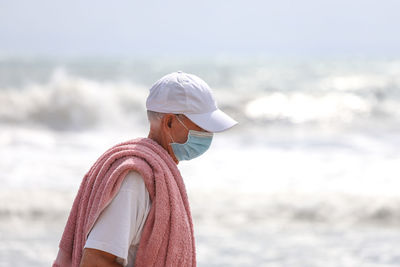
x=133 y=181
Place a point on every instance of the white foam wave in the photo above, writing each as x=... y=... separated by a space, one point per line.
x=300 y=108
x=234 y=208
x=70 y=102
x=267 y=93
x=229 y=207
x=356 y=82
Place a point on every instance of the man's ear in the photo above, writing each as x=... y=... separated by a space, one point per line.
x=166 y=121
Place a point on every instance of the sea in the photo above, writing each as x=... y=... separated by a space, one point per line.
x=310 y=177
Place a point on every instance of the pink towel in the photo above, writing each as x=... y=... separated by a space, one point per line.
x=167 y=238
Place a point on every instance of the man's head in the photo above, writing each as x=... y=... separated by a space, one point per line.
x=180 y=107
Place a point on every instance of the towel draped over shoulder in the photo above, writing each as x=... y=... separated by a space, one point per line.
x=167 y=238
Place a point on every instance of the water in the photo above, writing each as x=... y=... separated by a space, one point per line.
x=309 y=177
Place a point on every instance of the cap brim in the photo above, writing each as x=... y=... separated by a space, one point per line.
x=214 y=121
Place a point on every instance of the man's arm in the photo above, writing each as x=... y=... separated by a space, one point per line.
x=98 y=258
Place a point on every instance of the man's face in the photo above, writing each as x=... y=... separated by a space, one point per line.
x=173 y=131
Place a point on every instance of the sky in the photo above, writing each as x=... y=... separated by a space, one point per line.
x=309 y=28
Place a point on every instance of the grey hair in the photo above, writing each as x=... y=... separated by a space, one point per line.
x=154 y=116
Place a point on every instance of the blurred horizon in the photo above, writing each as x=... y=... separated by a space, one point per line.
x=237 y=29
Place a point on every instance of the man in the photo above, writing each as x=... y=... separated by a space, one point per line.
x=127 y=227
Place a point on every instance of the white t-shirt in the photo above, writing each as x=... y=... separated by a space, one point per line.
x=119 y=226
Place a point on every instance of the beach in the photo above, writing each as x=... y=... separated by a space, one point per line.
x=308 y=178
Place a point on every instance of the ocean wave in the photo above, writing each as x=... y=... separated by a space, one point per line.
x=72 y=103
x=302 y=108
x=340 y=209
x=231 y=208
x=34 y=204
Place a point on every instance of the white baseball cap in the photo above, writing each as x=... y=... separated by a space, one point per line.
x=184 y=93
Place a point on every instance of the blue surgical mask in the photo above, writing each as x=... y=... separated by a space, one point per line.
x=197 y=143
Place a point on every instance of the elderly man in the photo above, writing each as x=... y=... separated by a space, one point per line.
x=132 y=208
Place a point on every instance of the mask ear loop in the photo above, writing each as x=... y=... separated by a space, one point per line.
x=182 y=123
x=183 y=126
x=198 y=132
x=171 y=137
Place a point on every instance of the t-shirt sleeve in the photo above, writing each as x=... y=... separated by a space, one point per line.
x=120 y=224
